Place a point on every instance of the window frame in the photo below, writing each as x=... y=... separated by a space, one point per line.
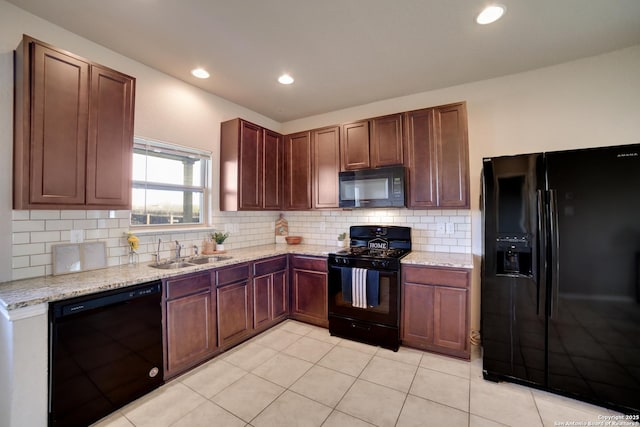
x=169 y=149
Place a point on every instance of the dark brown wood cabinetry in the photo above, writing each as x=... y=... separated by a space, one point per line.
x=437 y=157
x=73 y=137
x=234 y=300
x=297 y=175
x=270 y=292
x=386 y=141
x=326 y=167
x=190 y=319
x=372 y=143
x=435 y=309
x=354 y=146
x=309 y=291
x=251 y=167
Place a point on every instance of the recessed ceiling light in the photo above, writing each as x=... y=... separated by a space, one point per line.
x=491 y=14
x=200 y=73
x=285 y=79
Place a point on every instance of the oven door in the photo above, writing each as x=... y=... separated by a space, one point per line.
x=386 y=310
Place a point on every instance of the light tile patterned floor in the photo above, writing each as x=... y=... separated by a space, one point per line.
x=298 y=375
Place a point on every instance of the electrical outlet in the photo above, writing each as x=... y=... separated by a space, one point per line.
x=450 y=228
x=440 y=227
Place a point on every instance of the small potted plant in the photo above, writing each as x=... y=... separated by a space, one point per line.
x=342 y=238
x=219 y=238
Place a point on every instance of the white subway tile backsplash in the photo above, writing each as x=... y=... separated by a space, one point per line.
x=65 y=224
x=19 y=226
x=19 y=215
x=35 y=215
x=73 y=215
x=20 y=238
x=42 y=259
x=83 y=224
x=28 y=249
x=45 y=236
x=33 y=238
x=28 y=272
x=20 y=261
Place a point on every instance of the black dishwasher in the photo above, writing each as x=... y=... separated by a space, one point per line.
x=105 y=350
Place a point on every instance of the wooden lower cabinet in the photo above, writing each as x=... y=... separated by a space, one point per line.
x=435 y=310
x=234 y=299
x=270 y=292
x=309 y=291
x=190 y=322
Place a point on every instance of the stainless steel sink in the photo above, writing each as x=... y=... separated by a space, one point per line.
x=189 y=262
x=171 y=265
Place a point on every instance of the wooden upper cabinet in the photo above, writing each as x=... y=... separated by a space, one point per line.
x=437 y=157
x=421 y=159
x=386 y=141
x=273 y=170
x=297 y=178
x=73 y=139
x=326 y=167
x=453 y=155
x=251 y=167
x=109 y=146
x=354 y=146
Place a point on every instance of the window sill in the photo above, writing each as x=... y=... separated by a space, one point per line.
x=145 y=230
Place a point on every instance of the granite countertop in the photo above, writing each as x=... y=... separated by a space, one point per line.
x=28 y=292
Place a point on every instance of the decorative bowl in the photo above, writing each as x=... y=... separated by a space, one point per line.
x=293 y=240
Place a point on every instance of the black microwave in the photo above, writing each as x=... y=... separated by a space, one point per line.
x=373 y=188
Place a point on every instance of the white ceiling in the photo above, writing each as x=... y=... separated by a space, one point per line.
x=342 y=53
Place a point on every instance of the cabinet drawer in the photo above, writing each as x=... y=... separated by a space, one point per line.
x=436 y=276
x=186 y=285
x=260 y=268
x=309 y=263
x=236 y=273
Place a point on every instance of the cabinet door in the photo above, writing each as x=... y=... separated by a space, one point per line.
x=250 y=166
x=417 y=314
x=450 y=318
x=262 y=313
x=386 y=141
x=421 y=159
x=309 y=296
x=234 y=313
x=280 y=296
x=298 y=171
x=354 y=146
x=191 y=335
x=110 y=139
x=453 y=163
x=60 y=94
x=273 y=167
x=326 y=166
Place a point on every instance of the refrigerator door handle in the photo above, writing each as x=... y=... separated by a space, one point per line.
x=554 y=251
x=542 y=248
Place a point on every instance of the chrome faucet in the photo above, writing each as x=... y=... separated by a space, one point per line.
x=157 y=254
x=178 y=249
x=195 y=250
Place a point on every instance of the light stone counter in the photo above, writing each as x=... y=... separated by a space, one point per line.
x=28 y=292
x=439 y=259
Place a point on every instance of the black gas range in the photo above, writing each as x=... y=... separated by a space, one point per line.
x=364 y=285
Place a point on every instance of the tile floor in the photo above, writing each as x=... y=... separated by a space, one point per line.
x=298 y=375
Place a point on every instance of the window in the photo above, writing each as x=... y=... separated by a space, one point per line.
x=168 y=184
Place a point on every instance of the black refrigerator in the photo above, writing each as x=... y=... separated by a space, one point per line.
x=560 y=289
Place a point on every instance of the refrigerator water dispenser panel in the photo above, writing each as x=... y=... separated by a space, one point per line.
x=513 y=256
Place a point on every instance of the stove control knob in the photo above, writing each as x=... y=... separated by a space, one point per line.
x=384 y=264
x=374 y=264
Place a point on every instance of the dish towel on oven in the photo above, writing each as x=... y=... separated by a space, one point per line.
x=365 y=286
